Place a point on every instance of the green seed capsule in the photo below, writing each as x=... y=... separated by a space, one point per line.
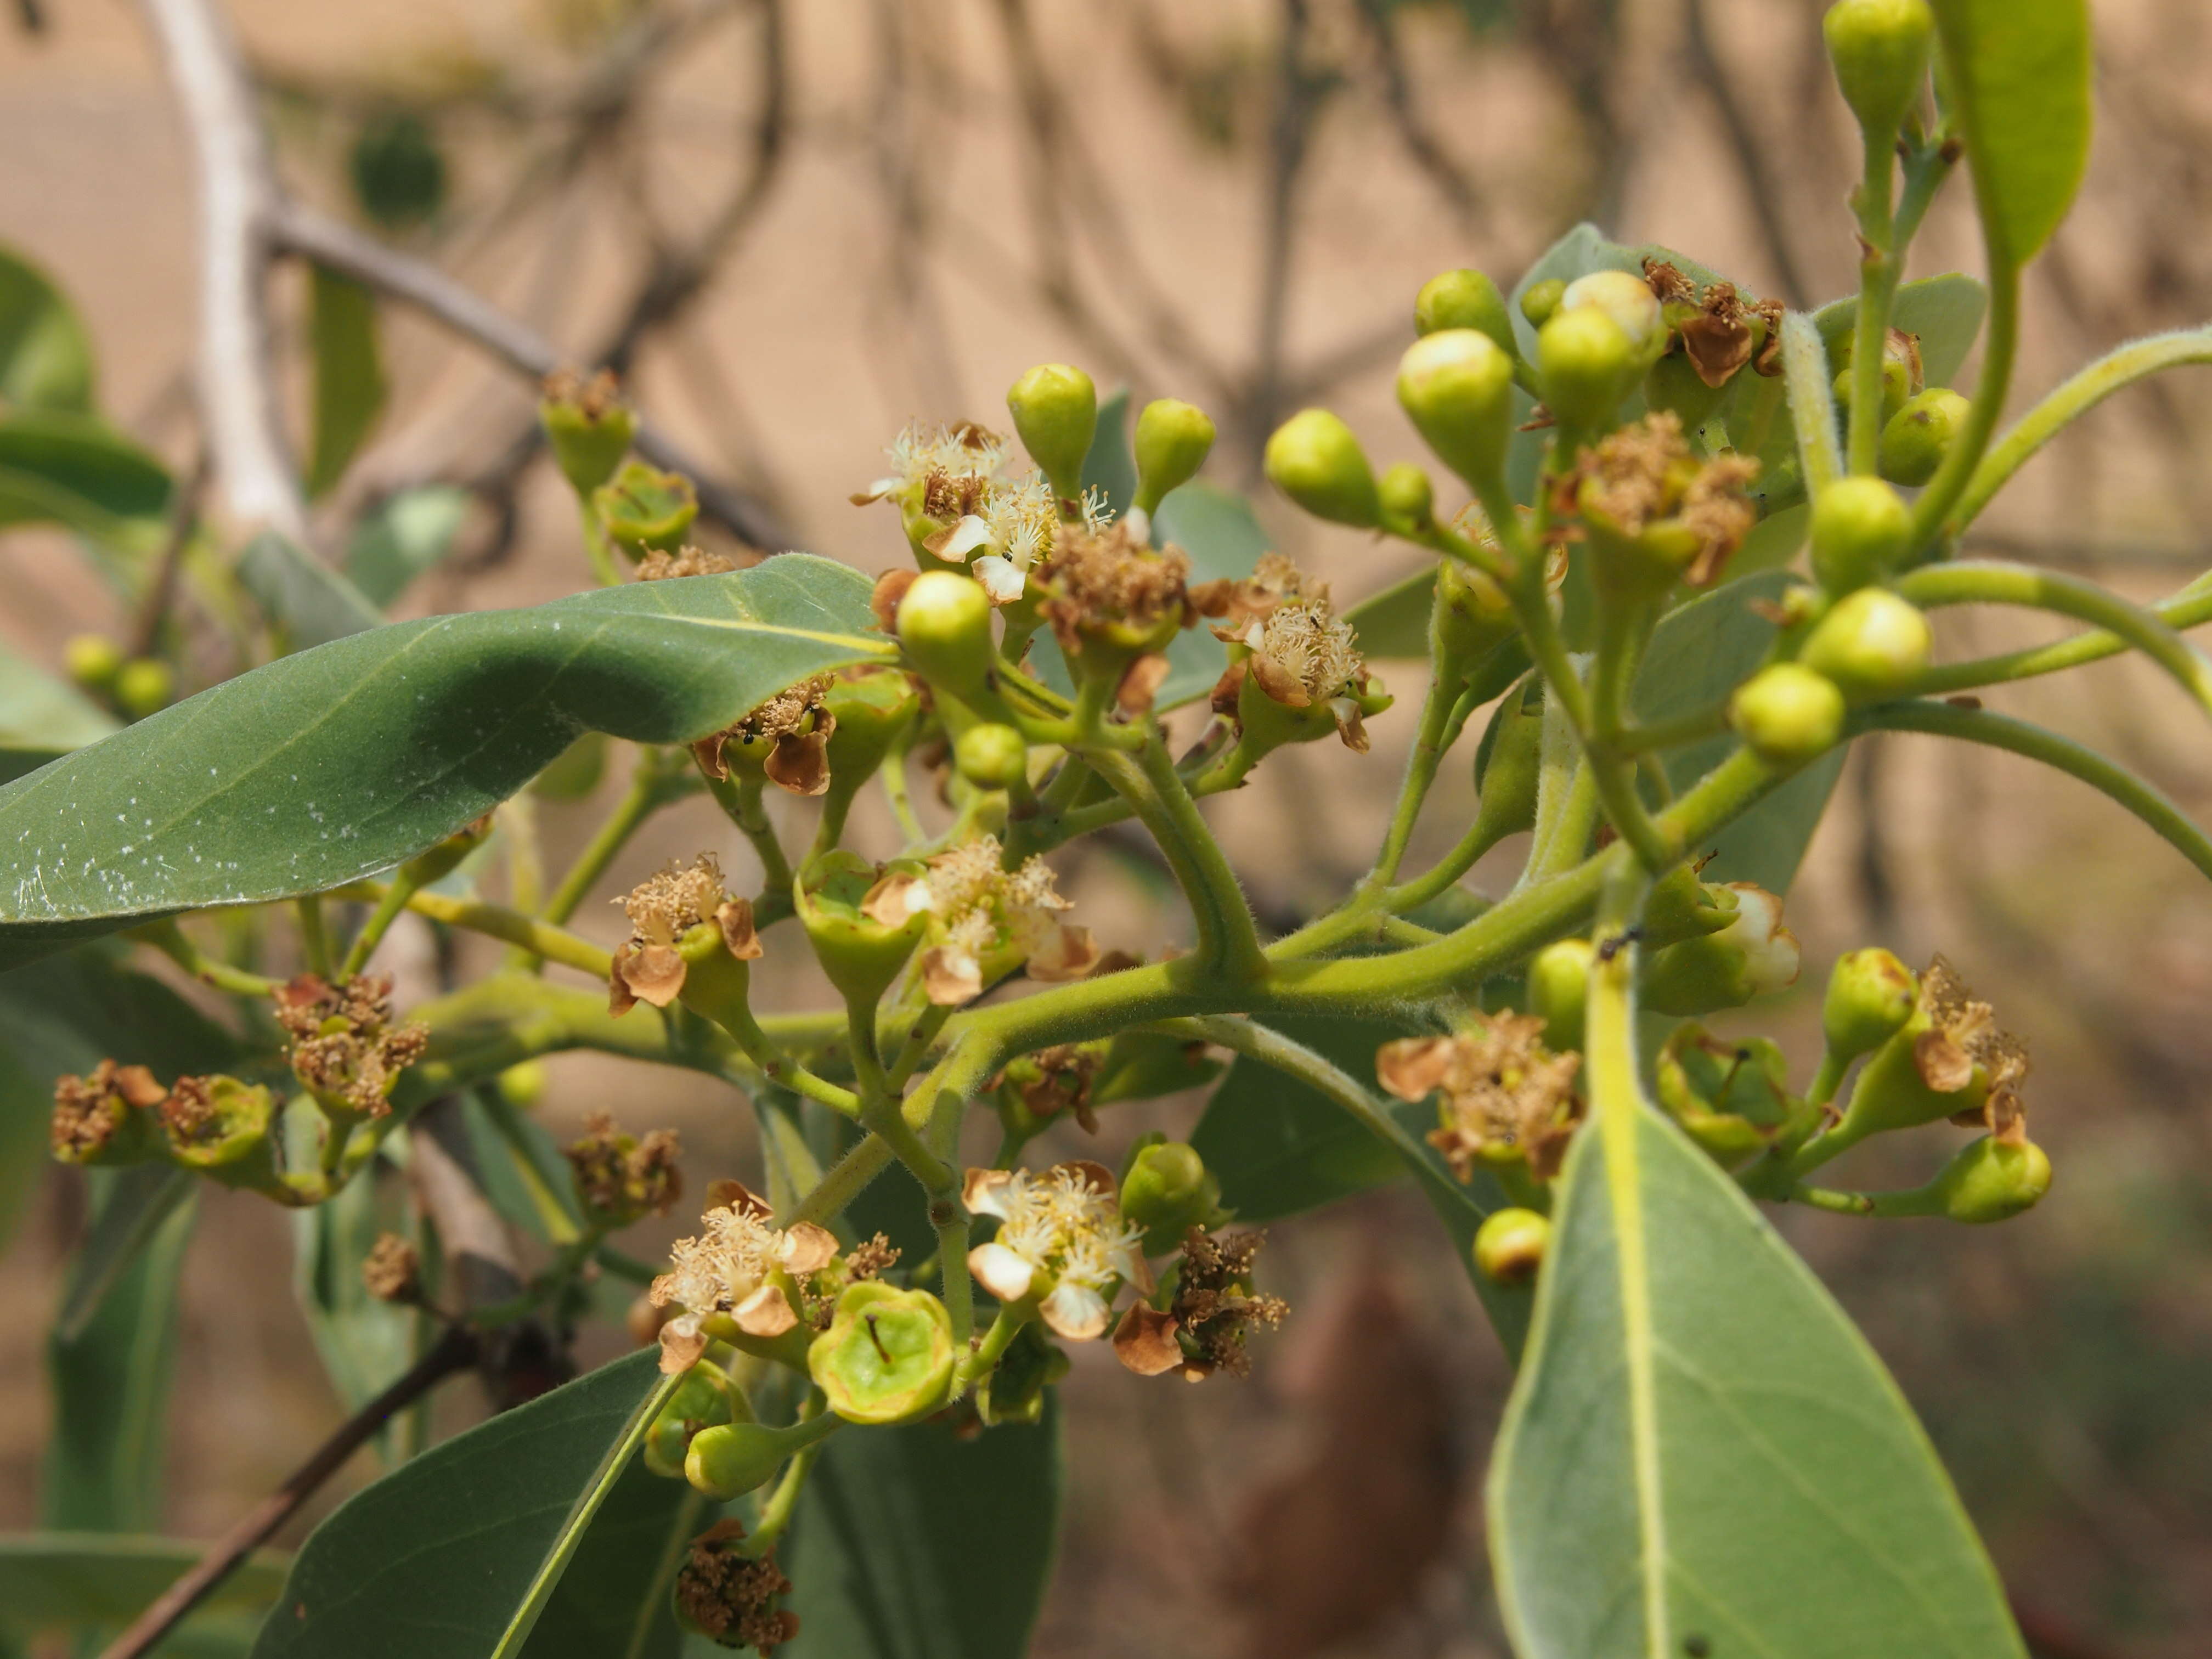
x=1457 y=386
x=1463 y=299
x=1168 y=1191
x=1558 y=991
x=1990 y=1181
x=1919 y=436
x=1859 y=532
x=1870 y=996
x=1314 y=460
x=94 y=660
x=1055 y=410
x=705 y=1399
x=1409 y=499
x=1173 y=441
x=1730 y=1095
x=944 y=626
x=992 y=756
x=861 y=953
x=1541 y=299
x=1871 y=644
x=887 y=1356
x=644 y=509
x=1586 y=364
x=144 y=687
x=1510 y=1245
x=729 y=1460
x=1879 y=50
x=589 y=430
x=1788 y=713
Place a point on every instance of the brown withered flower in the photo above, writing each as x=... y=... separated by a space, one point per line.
x=346 y=1047
x=1505 y=1096
x=1213 y=1312
x=659 y=566
x=392 y=1270
x=731 y=1597
x=102 y=1114
x=1111 y=581
x=794 y=727
x=1056 y=1079
x=1965 y=1035
x=621 y=1177
x=1293 y=645
x=1643 y=482
x=648 y=968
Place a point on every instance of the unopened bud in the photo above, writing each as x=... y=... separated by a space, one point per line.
x=1463 y=299
x=1870 y=996
x=1558 y=990
x=1628 y=300
x=1541 y=302
x=992 y=756
x=523 y=1085
x=589 y=428
x=1173 y=441
x=705 y=1399
x=1991 y=1180
x=143 y=686
x=1168 y=1191
x=1879 y=50
x=1871 y=644
x=1409 y=499
x=1508 y=763
x=944 y=626
x=1511 y=1244
x=94 y=660
x=1055 y=410
x=1919 y=436
x=728 y=1460
x=887 y=1356
x=1896 y=386
x=1753 y=955
x=1586 y=363
x=1859 y=532
x=1457 y=386
x=1788 y=713
x=643 y=508
x=1314 y=460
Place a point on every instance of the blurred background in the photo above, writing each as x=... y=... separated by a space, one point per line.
x=793 y=226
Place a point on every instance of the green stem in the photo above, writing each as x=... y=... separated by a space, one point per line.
x=647 y=793
x=1430 y=740
x=1228 y=942
x=2190 y=608
x=1931 y=514
x=740 y=798
x=380 y=922
x=1812 y=402
x=169 y=939
x=314 y=938
x=597 y=548
x=554 y=944
x=783 y=1502
x=1879 y=269
x=1828 y=1079
x=982 y=1359
x=1480 y=838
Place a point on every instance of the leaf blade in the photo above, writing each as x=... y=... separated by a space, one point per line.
x=2018 y=74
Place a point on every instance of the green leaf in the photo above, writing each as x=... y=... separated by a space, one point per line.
x=339 y=761
x=307 y=601
x=1944 y=312
x=2016 y=76
x=45 y=355
x=433 y=1560
x=42 y=718
x=1393 y=621
x=74 y=470
x=1702 y=1456
x=1110 y=466
x=401 y=537
x=910 y=1543
x=349 y=384
x=56 y=1581
x=365 y=1343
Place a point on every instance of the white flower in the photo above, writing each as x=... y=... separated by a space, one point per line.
x=1061 y=1233
x=983 y=911
x=731 y=1268
x=1770 y=950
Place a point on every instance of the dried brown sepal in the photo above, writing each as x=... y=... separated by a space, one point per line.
x=800 y=762
x=1214 y=1305
x=658 y=565
x=681 y=1344
x=1222 y=698
x=740 y=937
x=1964 y=1036
x=883 y=601
x=1066 y=953
x=1145 y=1342
x=1141 y=683
x=1718 y=340
x=766 y=1312
x=392 y=1270
x=731 y=1597
x=808 y=1249
x=645 y=973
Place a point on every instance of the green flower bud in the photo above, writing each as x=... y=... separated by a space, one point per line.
x=1732 y=1098
x=1629 y=301
x=857 y=922
x=522 y=1085
x=944 y=626
x=94 y=660
x=887 y=1356
x=705 y=1399
x=1409 y=505
x=1541 y=302
x=1871 y=644
x=1992 y=1181
x=1859 y=532
x=1879 y=50
x=1508 y=763
x=1788 y=713
x=1014 y=1391
x=1558 y=991
x=1511 y=1244
x=1055 y=410
x=1314 y=460
x=1752 y=956
x=1173 y=440
x=1682 y=907
x=869 y=709
x=1586 y=364
x=1463 y=299
x=992 y=756
x=143 y=687
x=728 y=1460
x=1457 y=386
x=588 y=427
x=1896 y=386
x=644 y=508
x=1919 y=436
x=1168 y=1191
x=1870 y=996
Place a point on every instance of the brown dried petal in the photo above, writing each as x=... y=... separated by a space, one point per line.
x=735 y=918
x=1717 y=346
x=890 y=587
x=950 y=976
x=620 y=999
x=766 y=1312
x=653 y=973
x=1141 y=683
x=896 y=899
x=1411 y=1067
x=137 y=1087
x=1095 y=1176
x=707 y=752
x=1943 y=1065
x=1225 y=689
x=732 y=1194
x=682 y=1343
x=1279 y=682
x=800 y=762
x=1351 y=727
x=1145 y=1340
x=808 y=1249
x=999 y=1271
x=1069 y=954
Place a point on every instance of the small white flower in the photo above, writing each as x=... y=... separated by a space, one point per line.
x=1062 y=1230
x=1002 y=579
x=970 y=533
x=1770 y=950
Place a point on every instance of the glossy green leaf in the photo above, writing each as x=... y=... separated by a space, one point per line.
x=348 y=373
x=911 y=1543
x=1702 y=1455
x=307 y=601
x=339 y=761
x=45 y=355
x=2017 y=73
x=75 y=471
x=433 y=1560
x=56 y=1581
x=401 y=537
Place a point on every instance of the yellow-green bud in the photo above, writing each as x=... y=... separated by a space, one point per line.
x=1463 y=299
x=1586 y=364
x=1879 y=50
x=143 y=687
x=1541 y=299
x=1168 y=1191
x=861 y=954
x=1629 y=301
x=887 y=1356
x=522 y=1085
x=1511 y=1244
x=1788 y=713
x=1472 y=617
x=1859 y=532
x=1919 y=436
x=1871 y=643
x=992 y=756
x=1896 y=386
x=1870 y=996
x=1457 y=386
x=944 y=626
x=1055 y=410
x=94 y=660
x=645 y=509
x=1173 y=440
x=1992 y=1181
x=1409 y=504
x=1753 y=955
x=1731 y=1097
x=1314 y=460
x=1558 y=990
x=1507 y=764
x=589 y=430
x=729 y=1460
x=705 y=1399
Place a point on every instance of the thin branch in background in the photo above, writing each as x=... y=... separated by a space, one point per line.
x=916 y=318
x=1750 y=151
x=177 y=538
x=1299 y=93
x=32 y=14
x=1451 y=181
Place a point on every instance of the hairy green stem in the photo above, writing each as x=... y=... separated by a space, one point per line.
x=1879 y=270
x=2190 y=608
x=1931 y=514
x=1812 y=402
